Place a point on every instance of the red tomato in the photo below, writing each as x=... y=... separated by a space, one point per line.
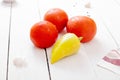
x=82 y=26
x=58 y=17
x=43 y=34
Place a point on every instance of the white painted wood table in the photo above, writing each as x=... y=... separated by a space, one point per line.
x=21 y=60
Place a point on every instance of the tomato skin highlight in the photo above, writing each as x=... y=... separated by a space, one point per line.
x=82 y=26
x=43 y=34
x=58 y=17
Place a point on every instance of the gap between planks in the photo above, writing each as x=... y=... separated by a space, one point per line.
x=10 y=18
x=48 y=66
x=47 y=60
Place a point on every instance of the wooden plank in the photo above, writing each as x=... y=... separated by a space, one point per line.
x=26 y=62
x=4 y=32
x=74 y=67
x=102 y=42
x=106 y=12
x=109 y=13
x=104 y=74
x=99 y=47
x=111 y=18
x=68 y=6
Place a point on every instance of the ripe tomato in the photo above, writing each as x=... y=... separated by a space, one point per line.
x=58 y=17
x=82 y=26
x=43 y=34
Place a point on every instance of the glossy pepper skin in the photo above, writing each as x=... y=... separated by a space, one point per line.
x=67 y=45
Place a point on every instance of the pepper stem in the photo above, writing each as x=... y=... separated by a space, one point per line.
x=80 y=38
